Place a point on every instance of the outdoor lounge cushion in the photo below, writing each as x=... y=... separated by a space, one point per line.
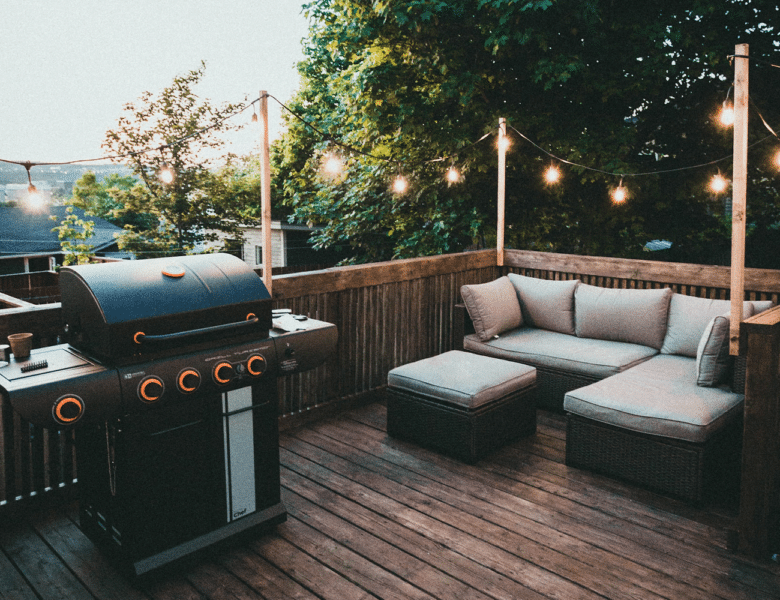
x=546 y=303
x=493 y=307
x=658 y=397
x=712 y=355
x=542 y=348
x=462 y=378
x=622 y=315
x=689 y=317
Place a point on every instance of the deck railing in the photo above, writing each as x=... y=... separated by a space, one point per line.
x=387 y=314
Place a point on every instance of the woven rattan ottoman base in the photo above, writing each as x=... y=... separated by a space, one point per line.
x=464 y=433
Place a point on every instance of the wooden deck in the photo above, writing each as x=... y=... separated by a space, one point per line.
x=372 y=517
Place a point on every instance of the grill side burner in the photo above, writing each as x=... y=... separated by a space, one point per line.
x=170 y=377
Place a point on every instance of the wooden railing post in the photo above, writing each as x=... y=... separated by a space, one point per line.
x=759 y=509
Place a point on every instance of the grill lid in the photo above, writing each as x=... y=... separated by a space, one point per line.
x=115 y=310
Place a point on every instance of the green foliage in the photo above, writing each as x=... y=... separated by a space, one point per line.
x=199 y=206
x=73 y=233
x=100 y=199
x=622 y=87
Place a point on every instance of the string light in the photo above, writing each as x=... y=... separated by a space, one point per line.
x=332 y=166
x=777 y=159
x=400 y=185
x=727 y=115
x=619 y=194
x=504 y=143
x=719 y=184
x=552 y=175
x=453 y=175
x=166 y=175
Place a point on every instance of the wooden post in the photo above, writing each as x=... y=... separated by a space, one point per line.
x=739 y=193
x=265 y=196
x=502 y=139
x=759 y=505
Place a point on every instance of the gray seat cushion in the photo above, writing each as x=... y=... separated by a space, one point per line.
x=658 y=397
x=542 y=348
x=462 y=378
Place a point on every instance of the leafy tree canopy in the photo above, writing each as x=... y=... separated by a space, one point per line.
x=620 y=87
x=201 y=205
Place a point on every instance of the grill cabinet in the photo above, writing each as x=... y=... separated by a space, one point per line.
x=170 y=374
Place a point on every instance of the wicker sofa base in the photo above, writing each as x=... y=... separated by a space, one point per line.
x=689 y=471
x=464 y=434
x=554 y=384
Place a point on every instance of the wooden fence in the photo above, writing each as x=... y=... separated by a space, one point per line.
x=387 y=314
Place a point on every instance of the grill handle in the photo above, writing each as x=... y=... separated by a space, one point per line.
x=142 y=338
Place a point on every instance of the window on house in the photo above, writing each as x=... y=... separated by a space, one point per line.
x=258 y=255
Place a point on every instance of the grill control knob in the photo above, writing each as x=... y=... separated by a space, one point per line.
x=188 y=381
x=151 y=389
x=256 y=365
x=68 y=409
x=223 y=373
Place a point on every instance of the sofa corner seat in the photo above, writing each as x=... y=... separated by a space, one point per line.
x=653 y=425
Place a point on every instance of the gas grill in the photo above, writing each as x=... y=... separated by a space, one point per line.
x=169 y=374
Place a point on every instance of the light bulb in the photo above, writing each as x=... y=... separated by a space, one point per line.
x=727 y=115
x=777 y=159
x=619 y=194
x=400 y=185
x=166 y=175
x=34 y=198
x=719 y=184
x=453 y=176
x=332 y=165
x=552 y=175
x=504 y=143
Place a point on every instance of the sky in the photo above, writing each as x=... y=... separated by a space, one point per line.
x=68 y=67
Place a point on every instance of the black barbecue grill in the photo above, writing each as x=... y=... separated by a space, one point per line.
x=170 y=374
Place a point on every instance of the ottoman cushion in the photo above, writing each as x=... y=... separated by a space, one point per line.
x=462 y=378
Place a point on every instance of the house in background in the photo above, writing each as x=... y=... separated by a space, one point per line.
x=28 y=244
x=290 y=248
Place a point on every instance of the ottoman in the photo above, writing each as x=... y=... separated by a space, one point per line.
x=462 y=404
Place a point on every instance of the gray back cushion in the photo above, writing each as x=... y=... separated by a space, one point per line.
x=493 y=307
x=690 y=315
x=546 y=303
x=622 y=315
x=688 y=318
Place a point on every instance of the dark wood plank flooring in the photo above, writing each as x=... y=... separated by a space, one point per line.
x=373 y=517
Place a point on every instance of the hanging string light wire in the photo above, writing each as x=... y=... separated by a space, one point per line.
x=640 y=174
x=240 y=109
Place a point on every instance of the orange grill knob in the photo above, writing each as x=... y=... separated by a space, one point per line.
x=255 y=365
x=151 y=389
x=188 y=381
x=68 y=409
x=223 y=373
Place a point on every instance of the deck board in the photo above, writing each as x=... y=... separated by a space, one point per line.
x=374 y=517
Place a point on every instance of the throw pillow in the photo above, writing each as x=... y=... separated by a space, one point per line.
x=493 y=307
x=712 y=355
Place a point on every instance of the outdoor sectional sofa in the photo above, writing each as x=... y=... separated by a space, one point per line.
x=644 y=375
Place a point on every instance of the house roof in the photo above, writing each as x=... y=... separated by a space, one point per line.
x=23 y=233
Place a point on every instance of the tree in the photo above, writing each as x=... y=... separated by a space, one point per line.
x=174 y=130
x=97 y=198
x=617 y=87
x=73 y=233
